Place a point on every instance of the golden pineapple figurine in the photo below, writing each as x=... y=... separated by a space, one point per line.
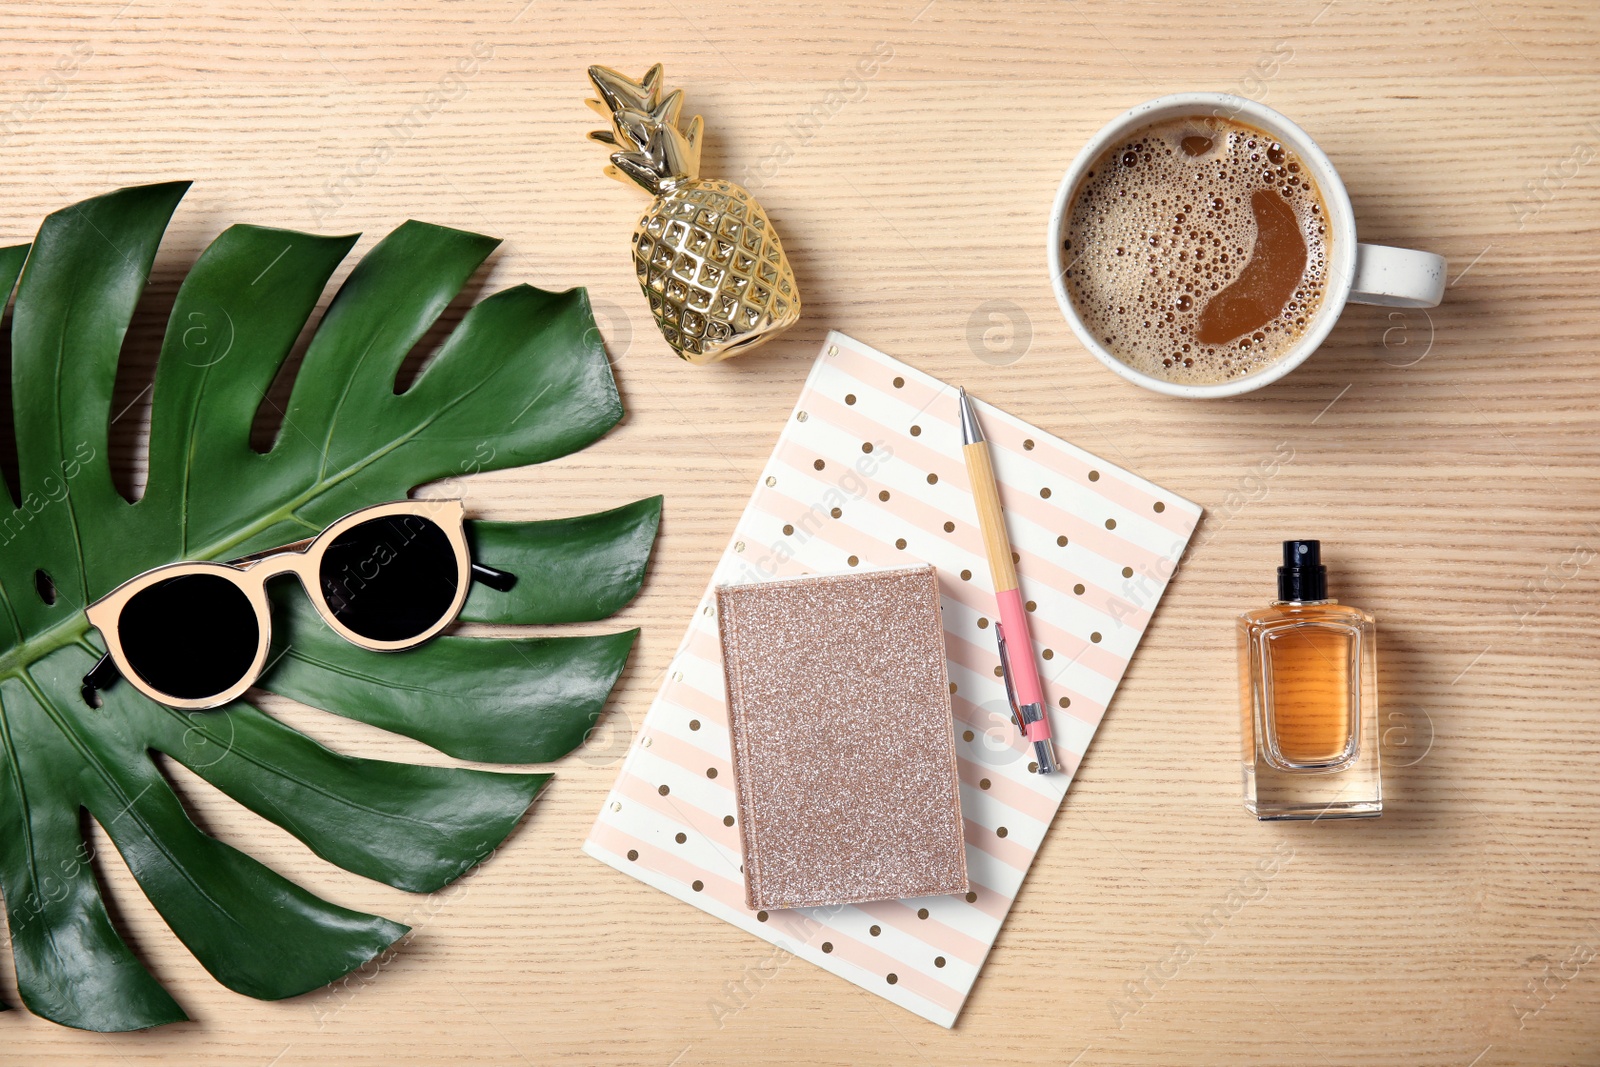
x=708 y=258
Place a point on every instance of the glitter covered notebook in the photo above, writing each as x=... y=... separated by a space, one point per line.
x=843 y=744
x=868 y=474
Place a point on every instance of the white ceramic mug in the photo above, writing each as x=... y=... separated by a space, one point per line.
x=1359 y=273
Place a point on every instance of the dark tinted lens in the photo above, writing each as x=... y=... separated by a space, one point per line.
x=390 y=579
x=190 y=637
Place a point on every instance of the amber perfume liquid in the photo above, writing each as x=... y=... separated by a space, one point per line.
x=1308 y=695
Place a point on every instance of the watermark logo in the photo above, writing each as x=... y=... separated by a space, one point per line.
x=738 y=993
x=338 y=995
x=202 y=745
x=52 y=85
x=1138 y=993
x=207 y=337
x=1253 y=85
x=452 y=86
x=607 y=740
x=999 y=332
x=1407 y=337
x=1406 y=737
x=612 y=329
x=54 y=489
x=803 y=130
x=1537 y=592
x=1539 y=992
x=850 y=486
x=48 y=888
x=1540 y=192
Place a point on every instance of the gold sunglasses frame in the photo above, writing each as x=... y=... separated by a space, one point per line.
x=303 y=559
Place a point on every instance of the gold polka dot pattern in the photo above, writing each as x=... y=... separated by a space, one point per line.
x=911 y=487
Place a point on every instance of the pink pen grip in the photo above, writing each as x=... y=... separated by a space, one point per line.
x=1024 y=665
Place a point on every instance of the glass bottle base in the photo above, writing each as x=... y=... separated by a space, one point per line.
x=1275 y=797
x=1365 y=809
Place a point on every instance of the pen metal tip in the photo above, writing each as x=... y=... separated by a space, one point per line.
x=971 y=432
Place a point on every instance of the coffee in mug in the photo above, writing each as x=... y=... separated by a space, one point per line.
x=1196 y=249
x=1135 y=312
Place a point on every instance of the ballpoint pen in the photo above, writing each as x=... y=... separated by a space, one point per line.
x=1017 y=664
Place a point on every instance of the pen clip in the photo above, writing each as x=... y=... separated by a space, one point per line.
x=1005 y=673
x=1044 y=752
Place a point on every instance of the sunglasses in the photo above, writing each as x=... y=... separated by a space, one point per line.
x=195 y=635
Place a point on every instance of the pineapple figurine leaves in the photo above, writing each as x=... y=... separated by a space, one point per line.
x=706 y=255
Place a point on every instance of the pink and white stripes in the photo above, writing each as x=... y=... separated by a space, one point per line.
x=868 y=473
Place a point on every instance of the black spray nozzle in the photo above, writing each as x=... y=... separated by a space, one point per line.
x=1302 y=576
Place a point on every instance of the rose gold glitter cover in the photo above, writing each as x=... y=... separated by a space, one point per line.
x=843 y=743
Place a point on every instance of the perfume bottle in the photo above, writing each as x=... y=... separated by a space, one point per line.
x=1308 y=696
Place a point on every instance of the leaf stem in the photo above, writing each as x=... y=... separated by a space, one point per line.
x=69 y=631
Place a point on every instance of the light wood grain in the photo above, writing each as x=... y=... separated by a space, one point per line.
x=1445 y=481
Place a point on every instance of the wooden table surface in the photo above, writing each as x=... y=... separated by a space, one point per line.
x=1446 y=459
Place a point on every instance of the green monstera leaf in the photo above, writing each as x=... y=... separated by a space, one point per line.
x=521 y=379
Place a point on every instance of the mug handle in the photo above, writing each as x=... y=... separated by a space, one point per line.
x=1397 y=277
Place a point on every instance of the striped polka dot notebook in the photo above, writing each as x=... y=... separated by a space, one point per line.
x=868 y=474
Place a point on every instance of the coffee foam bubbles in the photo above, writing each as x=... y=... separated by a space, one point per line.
x=1163 y=222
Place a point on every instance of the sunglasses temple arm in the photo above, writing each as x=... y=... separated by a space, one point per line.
x=493 y=577
x=103 y=675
